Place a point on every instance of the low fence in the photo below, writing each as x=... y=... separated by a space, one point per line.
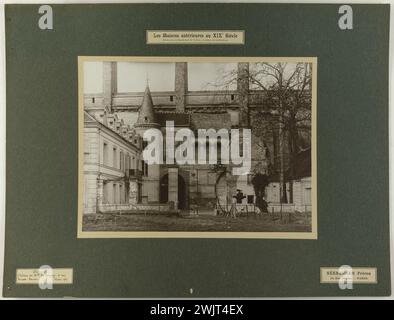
x=272 y=208
x=288 y=207
x=240 y=208
x=130 y=208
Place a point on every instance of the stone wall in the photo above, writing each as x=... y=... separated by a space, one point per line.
x=303 y=194
x=91 y=167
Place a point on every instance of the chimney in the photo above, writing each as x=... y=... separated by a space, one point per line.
x=181 y=85
x=109 y=82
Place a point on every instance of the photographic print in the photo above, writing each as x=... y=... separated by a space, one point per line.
x=197 y=147
x=218 y=144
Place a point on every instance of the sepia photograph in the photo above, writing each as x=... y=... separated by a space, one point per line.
x=189 y=152
x=197 y=147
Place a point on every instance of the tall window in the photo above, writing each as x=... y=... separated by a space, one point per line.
x=144 y=168
x=219 y=150
x=105 y=153
x=120 y=193
x=121 y=159
x=127 y=162
x=139 y=193
x=114 y=158
x=105 y=193
x=115 y=194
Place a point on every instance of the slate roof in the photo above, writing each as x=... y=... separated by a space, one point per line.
x=195 y=120
x=146 y=113
x=180 y=118
x=211 y=120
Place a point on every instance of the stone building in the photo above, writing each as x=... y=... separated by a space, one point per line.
x=111 y=152
x=116 y=177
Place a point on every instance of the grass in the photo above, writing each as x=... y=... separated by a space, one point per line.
x=139 y=222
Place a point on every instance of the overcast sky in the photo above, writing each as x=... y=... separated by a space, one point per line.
x=132 y=76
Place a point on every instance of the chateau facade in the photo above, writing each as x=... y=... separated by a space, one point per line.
x=116 y=177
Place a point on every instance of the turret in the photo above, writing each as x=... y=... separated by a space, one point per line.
x=146 y=113
x=151 y=173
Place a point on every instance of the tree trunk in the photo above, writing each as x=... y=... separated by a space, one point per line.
x=282 y=191
x=293 y=149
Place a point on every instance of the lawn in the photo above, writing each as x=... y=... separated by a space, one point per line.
x=141 y=222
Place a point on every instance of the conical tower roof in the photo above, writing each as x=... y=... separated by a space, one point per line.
x=146 y=113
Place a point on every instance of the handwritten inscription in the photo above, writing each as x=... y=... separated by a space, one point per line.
x=33 y=276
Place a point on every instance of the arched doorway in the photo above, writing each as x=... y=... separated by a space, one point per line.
x=181 y=191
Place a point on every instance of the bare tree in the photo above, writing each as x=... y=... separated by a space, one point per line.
x=282 y=92
x=286 y=88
